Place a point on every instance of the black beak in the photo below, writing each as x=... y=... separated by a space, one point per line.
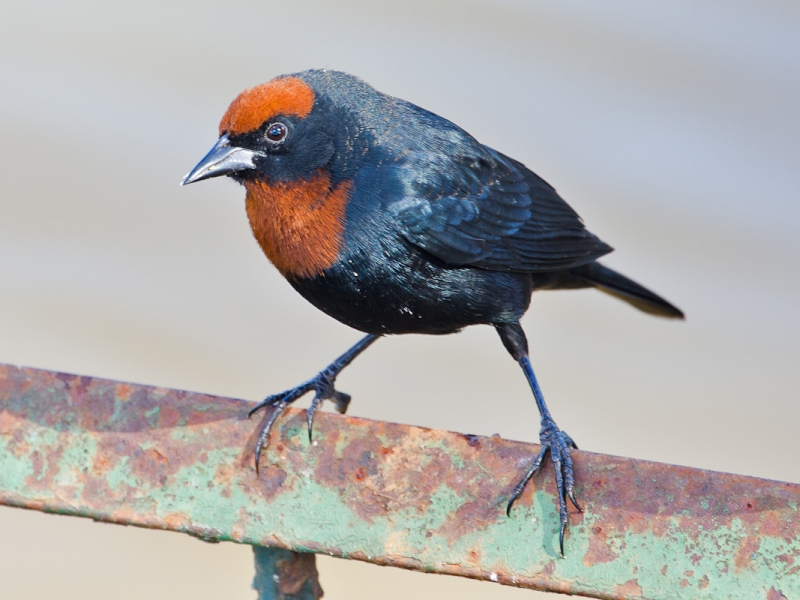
x=223 y=159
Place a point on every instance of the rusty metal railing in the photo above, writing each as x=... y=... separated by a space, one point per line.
x=388 y=494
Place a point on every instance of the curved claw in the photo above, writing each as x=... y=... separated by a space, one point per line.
x=565 y=480
x=571 y=496
x=286 y=397
x=340 y=399
x=268 y=401
x=569 y=476
x=323 y=383
x=263 y=435
x=520 y=487
x=558 y=463
x=311 y=413
x=558 y=444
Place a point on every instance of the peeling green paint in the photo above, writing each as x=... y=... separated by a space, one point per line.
x=390 y=494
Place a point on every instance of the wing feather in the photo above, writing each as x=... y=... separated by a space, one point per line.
x=490 y=211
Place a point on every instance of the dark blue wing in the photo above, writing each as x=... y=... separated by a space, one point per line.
x=487 y=210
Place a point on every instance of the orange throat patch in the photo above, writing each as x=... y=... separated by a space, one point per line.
x=299 y=225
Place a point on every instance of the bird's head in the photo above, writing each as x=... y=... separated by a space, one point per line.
x=290 y=128
x=285 y=130
x=296 y=143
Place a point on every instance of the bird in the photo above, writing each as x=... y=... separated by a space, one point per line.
x=393 y=220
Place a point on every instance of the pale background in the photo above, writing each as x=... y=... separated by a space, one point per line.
x=673 y=128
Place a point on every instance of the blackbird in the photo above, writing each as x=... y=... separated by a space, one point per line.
x=393 y=220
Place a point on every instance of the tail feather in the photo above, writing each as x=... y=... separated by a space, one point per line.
x=619 y=286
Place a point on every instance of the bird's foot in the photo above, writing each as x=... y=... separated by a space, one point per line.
x=322 y=385
x=558 y=444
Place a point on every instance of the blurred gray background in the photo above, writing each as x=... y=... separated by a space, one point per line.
x=672 y=128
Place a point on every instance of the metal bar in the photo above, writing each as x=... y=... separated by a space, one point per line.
x=390 y=494
x=285 y=575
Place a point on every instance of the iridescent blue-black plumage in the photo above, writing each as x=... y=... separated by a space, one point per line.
x=439 y=232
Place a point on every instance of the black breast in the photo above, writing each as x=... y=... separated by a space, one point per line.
x=382 y=284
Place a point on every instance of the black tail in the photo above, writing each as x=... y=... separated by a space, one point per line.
x=619 y=286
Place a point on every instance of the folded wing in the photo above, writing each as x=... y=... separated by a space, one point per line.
x=489 y=211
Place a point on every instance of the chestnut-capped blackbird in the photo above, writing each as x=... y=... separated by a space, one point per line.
x=394 y=220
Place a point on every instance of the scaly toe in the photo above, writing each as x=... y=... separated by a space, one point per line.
x=322 y=384
x=286 y=397
x=520 y=487
x=263 y=435
x=558 y=444
x=268 y=401
x=311 y=413
x=341 y=401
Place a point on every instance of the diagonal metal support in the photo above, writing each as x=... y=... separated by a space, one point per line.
x=389 y=494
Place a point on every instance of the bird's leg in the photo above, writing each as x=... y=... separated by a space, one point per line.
x=552 y=439
x=323 y=384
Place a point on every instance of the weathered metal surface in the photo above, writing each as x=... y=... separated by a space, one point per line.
x=285 y=575
x=390 y=494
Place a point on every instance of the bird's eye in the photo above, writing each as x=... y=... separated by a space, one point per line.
x=276 y=132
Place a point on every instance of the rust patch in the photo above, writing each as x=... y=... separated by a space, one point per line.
x=476 y=514
x=355 y=471
x=7 y=423
x=471 y=516
x=773 y=526
x=294 y=573
x=773 y=594
x=549 y=569
x=146 y=440
x=150 y=465
x=270 y=480
x=744 y=554
x=177 y=521
x=123 y=392
x=629 y=589
x=785 y=558
x=599 y=551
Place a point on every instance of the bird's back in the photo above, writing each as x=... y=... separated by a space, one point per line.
x=441 y=231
